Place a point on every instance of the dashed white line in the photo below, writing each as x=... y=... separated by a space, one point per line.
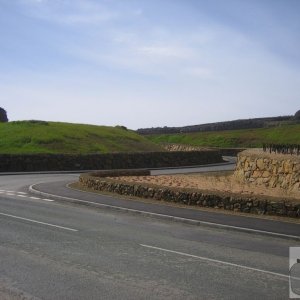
x=23 y=196
x=216 y=261
x=38 y=222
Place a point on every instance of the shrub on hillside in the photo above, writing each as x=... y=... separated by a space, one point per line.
x=3 y=115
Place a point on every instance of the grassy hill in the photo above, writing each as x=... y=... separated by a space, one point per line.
x=286 y=134
x=50 y=137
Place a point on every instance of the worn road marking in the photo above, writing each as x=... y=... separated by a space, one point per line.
x=38 y=222
x=23 y=196
x=216 y=261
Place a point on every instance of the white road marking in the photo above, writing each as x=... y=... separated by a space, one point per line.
x=216 y=261
x=38 y=222
x=194 y=221
x=4 y=191
x=23 y=196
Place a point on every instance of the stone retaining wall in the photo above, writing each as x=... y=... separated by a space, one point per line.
x=138 y=160
x=280 y=171
x=233 y=202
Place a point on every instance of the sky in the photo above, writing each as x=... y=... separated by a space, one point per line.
x=149 y=63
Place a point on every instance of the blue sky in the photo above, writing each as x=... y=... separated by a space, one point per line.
x=144 y=63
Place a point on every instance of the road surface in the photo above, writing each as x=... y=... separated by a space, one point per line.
x=57 y=250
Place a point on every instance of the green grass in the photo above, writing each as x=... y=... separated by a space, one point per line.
x=29 y=137
x=246 y=138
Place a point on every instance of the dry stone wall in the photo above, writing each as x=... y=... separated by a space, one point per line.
x=279 y=171
x=70 y=162
x=234 y=202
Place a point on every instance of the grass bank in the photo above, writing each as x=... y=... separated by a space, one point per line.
x=245 y=138
x=31 y=137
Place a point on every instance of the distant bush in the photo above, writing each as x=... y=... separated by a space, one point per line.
x=297 y=115
x=121 y=127
x=3 y=115
x=38 y=122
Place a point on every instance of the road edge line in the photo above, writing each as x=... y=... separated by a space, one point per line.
x=162 y=216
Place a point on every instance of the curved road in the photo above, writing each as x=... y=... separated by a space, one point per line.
x=53 y=249
x=228 y=165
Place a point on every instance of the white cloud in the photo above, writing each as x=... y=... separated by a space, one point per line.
x=165 y=52
x=95 y=18
x=200 y=72
x=70 y=12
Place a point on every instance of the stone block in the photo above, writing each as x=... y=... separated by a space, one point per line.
x=256 y=174
x=260 y=164
x=266 y=174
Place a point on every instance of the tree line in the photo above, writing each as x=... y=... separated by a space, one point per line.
x=282 y=148
x=218 y=126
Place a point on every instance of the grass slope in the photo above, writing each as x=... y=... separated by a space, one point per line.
x=286 y=134
x=50 y=137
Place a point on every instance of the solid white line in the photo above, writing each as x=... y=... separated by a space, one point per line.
x=169 y=216
x=216 y=261
x=250 y=229
x=38 y=222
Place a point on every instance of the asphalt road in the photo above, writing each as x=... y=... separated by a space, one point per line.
x=228 y=165
x=54 y=250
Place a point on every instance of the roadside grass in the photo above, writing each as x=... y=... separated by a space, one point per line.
x=32 y=137
x=244 y=138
